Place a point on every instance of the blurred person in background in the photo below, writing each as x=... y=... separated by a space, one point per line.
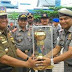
x=56 y=25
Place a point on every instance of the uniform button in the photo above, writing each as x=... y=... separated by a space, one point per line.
x=6 y=50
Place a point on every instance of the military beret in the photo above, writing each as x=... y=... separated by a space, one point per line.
x=22 y=16
x=30 y=15
x=65 y=12
x=2 y=11
x=44 y=15
x=56 y=20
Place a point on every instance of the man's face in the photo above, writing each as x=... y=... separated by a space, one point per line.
x=3 y=21
x=65 y=22
x=55 y=23
x=30 y=20
x=44 y=21
x=22 y=23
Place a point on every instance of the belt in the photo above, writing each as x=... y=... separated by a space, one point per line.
x=69 y=65
x=6 y=69
x=66 y=64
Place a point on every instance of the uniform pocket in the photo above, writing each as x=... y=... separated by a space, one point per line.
x=19 y=39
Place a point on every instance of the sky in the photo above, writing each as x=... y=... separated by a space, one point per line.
x=34 y=3
x=66 y=2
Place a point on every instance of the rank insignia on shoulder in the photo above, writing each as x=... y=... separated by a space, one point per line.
x=4 y=42
x=69 y=37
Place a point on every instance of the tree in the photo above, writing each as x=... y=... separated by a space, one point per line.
x=52 y=14
x=13 y=16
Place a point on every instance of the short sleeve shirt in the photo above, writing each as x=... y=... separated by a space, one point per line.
x=66 y=41
x=7 y=46
x=23 y=40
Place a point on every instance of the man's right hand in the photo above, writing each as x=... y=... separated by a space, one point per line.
x=31 y=62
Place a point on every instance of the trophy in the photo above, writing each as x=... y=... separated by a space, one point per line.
x=42 y=39
x=40 y=36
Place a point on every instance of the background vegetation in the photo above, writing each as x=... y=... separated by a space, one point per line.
x=52 y=13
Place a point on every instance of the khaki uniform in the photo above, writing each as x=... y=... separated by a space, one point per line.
x=54 y=37
x=57 y=28
x=23 y=41
x=65 y=41
x=7 y=46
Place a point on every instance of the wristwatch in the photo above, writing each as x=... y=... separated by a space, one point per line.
x=27 y=58
x=52 y=62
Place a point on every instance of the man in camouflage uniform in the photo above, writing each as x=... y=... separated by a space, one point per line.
x=65 y=16
x=8 y=50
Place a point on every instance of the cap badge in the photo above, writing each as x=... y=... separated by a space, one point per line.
x=29 y=13
x=2 y=9
x=23 y=16
x=44 y=15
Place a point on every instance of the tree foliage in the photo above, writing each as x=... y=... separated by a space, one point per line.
x=37 y=13
x=13 y=15
x=52 y=14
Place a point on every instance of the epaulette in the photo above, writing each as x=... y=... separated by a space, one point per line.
x=15 y=29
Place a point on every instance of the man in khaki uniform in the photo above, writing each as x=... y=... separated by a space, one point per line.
x=65 y=16
x=56 y=25
x=8 y=50
x=30 y=19
x=45 y=22
x=23 y=39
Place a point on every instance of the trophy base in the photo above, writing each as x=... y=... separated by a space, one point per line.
x=49 y=67
x=38 y=68
x=42 y=67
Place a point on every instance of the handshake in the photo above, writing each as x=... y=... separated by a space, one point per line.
x=40 y=63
